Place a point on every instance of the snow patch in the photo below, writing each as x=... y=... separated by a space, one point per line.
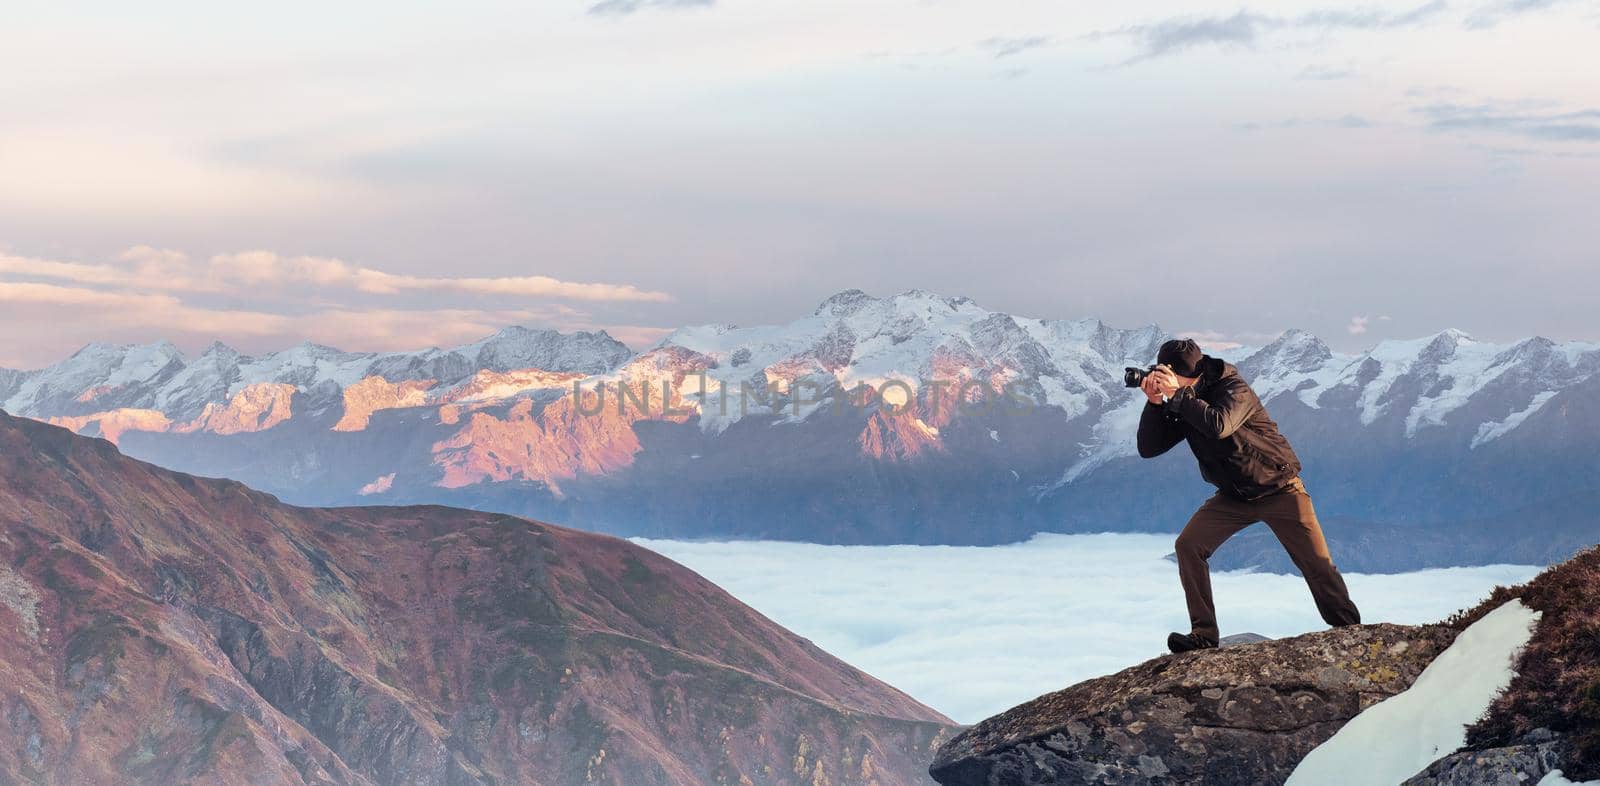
x=1555 y=778
x=1469 y=368
x=1395 y=738
x=1495 y=429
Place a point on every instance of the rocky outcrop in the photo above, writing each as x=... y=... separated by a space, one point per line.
x=1539 y=753
x=1240 y=714
x=112 y=424
x=376 y=393
x=254 y=408
x=1555 y=695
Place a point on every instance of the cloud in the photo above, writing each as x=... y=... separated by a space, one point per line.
x=1581 y=125
x=1324 y=73
x=1342 y=121
x=922 y=618
x=262 y=300
x=366 y=328
x=1006 y=47
x=1210 y=339
x=1494 y=13
x=247 y=272
x=1369 y=19
x=1225 y=340
x=254 y=268
x=121 y=309
x=1176 y=35
x=1357 y=326
x=625 y=7
x=1245 y=28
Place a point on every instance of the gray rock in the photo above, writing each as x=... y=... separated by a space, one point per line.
x=1514 y=765
x=1246 y=713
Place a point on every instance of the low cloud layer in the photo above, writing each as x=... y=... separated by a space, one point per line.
x=972 y=631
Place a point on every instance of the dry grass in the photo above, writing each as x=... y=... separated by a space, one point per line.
x=1558 y=675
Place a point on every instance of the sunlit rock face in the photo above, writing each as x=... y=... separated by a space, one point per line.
x=255 y=407
x=376 y=393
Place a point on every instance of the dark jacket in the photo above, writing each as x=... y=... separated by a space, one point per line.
x=1238 y=446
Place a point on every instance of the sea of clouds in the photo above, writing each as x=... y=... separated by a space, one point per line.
x=972 y=631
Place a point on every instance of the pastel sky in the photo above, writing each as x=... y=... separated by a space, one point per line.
x=399 y=174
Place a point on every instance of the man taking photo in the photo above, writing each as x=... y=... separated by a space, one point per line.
x=1193 y=396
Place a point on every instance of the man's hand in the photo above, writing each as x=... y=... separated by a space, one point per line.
x=1151 y=391
x=1166 y=380
x=1159 y=384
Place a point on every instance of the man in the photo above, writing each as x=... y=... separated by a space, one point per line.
x=1193 y=396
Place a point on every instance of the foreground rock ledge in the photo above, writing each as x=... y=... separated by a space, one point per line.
x=1242 y=714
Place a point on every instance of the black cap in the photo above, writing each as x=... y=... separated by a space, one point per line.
x=1182 y=355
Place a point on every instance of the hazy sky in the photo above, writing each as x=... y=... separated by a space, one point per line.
x=398 y=174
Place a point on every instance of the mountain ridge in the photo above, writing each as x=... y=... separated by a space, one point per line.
x=1458 y=420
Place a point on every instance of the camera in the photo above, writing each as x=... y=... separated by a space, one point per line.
x=1134 y=377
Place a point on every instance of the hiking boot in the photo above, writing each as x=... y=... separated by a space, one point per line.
x=1183 y=642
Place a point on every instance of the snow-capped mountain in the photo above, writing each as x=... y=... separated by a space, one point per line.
x=909 y=418
x=104 y=377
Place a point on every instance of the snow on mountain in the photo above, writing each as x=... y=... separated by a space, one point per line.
x=1491 y=429
x=917 y=337
x=517 y=348
x=1297 y=362
x=104 y=377
x=851 y=339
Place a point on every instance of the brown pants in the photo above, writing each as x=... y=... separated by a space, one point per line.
x=1293 y=520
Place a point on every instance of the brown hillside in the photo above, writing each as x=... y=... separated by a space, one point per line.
x=159 y=627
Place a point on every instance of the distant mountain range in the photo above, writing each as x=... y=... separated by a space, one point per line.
x=1437 y=450
x=159 y=628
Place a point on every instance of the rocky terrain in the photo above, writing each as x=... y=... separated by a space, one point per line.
x=962 y=426
x=1250 y=713
x=1241 y=714
x=1549 y=716
x=161 y=628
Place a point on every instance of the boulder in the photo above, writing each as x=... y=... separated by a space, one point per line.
x=1245 y=713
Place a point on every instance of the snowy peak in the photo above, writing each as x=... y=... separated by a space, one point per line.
x=518 y=347
x=103 y=377
x=843 y=304
x=1297 y=350
x=1400 y=387
x=97 y=376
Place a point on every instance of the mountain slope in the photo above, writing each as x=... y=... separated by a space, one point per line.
x=162 y=627
x=961 y=425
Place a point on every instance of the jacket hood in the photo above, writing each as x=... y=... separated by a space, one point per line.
x=1213 y=369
